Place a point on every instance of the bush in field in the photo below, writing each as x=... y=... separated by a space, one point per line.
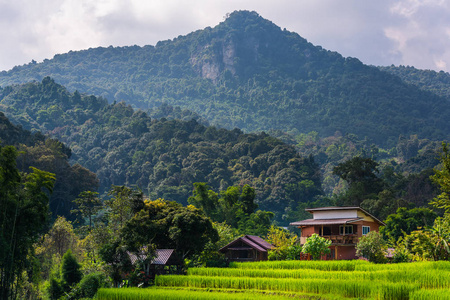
x=285 y=244
x=88 y=286
x=401 y=255
x=316 y=246
x=373 y=247
x=70 y=269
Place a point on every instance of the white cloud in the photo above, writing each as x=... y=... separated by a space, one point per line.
x=383 y=32
x=421 y=36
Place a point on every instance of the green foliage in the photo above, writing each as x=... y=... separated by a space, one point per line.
x=442 y=178
x=360 y=175
x=210 y=256
x=169 y=225
x=428 y=80
x=316 y=246
x=163 y=157
x=372 y=246
x=402 y=255
x=236 y=207
x=52 y=156
x=52 y=246
x=405 y=221
x=55 y=288
x=285 y=243
x=125 y=202
x=88 y=205
x=70 y=270
x=24 y=206
x=89 y=285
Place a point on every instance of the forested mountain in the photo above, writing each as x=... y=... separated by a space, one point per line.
x=163 y=157
x=248 y=73
x=427 y=80
x=52 y=156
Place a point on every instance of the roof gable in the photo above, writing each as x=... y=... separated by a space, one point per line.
x=328 y=214
x=252 y=241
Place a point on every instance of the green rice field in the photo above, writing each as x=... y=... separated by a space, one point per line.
x=355 y=279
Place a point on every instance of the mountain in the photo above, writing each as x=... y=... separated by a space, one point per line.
x=248 y=73
x=163 y=157
x=427 y=80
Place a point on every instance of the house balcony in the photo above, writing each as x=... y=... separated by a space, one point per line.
x=347 y=239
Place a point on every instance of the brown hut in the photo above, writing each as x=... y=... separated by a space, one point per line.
x=247 y=248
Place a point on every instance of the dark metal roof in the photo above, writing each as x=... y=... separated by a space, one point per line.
x=255 y=242
x=162 y=256
x=310 y=222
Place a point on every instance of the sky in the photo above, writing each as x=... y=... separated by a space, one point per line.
x=381 y=32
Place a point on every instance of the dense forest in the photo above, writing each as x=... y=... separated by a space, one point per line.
x=248 y=73
x=50 y=155
x=427 y=80
x=162 y=157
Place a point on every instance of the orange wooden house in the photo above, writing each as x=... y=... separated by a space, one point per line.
x=342 y=225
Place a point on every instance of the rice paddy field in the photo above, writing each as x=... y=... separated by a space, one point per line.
x=354 y=279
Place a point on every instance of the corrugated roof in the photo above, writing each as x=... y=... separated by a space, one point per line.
x=310 y=222
x=162 y=256
x=251 y=240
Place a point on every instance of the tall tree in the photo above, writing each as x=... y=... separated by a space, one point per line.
x=442 y=178
x=125 y=202
x=24 y=213
x=88 y=205
x=360 y=175
x=167 y=224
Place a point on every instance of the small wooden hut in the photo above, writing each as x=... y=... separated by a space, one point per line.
x=247 y=248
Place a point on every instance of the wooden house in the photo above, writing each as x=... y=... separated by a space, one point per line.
x=247 y=248
x=342 y=225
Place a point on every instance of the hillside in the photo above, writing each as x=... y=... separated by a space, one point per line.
x=49 y=155
x=248 y=73
x=163 y=157
x=427 y=80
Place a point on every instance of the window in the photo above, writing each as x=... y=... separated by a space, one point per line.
x=345 y=229
x=365 y=230
x=325 y=231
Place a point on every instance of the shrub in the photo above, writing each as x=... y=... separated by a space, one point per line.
x=372 y=246
x=90 y=283
x=316 y=246
x=70 y=269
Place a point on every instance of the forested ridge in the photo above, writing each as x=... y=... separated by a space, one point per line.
x=248 y=73
x=162 y=157
x=427 y=80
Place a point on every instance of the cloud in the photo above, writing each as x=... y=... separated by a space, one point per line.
x=421 y=38
x=383 y=32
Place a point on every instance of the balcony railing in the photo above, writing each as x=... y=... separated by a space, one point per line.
x=342 y=239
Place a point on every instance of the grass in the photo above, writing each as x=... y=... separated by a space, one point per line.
x=300 y=280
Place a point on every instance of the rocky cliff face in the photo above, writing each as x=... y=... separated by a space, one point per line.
x=212 y=60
